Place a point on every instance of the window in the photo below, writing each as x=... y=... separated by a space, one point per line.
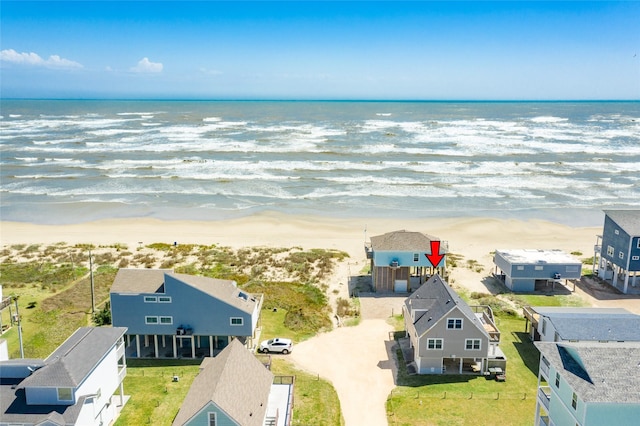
x=434 y=343
x=150 y=320
x=212 y=419
x=416 y=257
x=574 y=400
x=539 y=268
x=617 y=232
x=64 y=394
x=621 y=255
x=164 y=299
x=635 y=257
x=544 y=326
x=558 y=380
x=454 y=324
x=236 y=321
x=573 y=268
x=166 y=320
x=638 y=245
x=520 y=267
x=472 y=344
x=610 y=251
x=150 y=299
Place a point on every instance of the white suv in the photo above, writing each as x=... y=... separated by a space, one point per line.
x=276 y=345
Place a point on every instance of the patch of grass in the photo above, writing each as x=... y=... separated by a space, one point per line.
x=397 y=322
x=315 y=400
x=155 y=397
x=437 y=399
x=544 y=300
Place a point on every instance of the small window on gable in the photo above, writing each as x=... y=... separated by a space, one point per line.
x=454 y=323
x=617 y=232
x=236 y=321
x=212 y=419
x=150 y=299
x=164 y=299
x=574 y=400
x=558 y=380
x=65 y=394
x=416 y=257
x=621 y=255
x=610 y=251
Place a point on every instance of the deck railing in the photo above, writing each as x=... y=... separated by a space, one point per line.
x=544 y=395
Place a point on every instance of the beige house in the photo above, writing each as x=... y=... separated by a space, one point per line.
x=447 y=336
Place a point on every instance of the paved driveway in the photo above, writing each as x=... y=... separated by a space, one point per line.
x=358 y=361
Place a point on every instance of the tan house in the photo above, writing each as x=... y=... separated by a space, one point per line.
x=447 y=336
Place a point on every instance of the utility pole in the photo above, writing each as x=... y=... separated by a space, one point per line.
x=15 y=299
x=93 y=303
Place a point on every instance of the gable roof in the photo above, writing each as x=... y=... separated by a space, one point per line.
x=403 y=241
x=597 y=373
x=134 y=281
x=629 y=220
x=235 y=381
x=438 y=299
x=71 y=363
x=611 y=324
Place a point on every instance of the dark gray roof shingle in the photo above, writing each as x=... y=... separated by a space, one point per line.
x=597 y=372
x=611 y=324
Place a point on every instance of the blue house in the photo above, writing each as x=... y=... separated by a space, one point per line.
x=617 y=251
x=587 y=383
x=524 y=270
x=80 y=383
x=235 y=388
x=400 y=256
x=171 y=315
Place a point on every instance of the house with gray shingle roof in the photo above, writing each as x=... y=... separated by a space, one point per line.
x=587 y=383
x=400 y=260
x=559 y=323
x=75 y=385
x=235 y=388
x=171 y=315
x=617 y=250
x=446 y=335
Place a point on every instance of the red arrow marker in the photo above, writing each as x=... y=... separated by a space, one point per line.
x=435 y=257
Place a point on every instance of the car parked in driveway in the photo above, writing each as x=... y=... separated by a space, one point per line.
x=278 y=344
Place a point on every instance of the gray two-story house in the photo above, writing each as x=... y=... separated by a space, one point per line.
x=171 y=315
x=618 y=250
x=401 y=259
x=448 y=336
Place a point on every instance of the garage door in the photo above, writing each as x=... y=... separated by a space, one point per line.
x=400 y=286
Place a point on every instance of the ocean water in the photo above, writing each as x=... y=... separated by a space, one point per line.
x=75 y=161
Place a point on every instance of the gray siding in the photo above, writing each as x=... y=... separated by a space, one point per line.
x=202 y=418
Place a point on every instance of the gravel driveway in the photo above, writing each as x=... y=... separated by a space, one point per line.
x=358 y=361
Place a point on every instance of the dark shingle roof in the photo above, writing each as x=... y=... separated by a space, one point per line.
x=611 y=324
x=597 y=372
x=71 y=363
x=629 y=220
x=14 y=409
x=236 y=381
x=402 y=241
x=438 y=298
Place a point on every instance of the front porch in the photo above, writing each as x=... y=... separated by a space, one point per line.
x=175 y=346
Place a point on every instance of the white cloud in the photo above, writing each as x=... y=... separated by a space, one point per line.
x=146 y=66
x=35 y=60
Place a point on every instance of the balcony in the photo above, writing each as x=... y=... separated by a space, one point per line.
x=544 y=396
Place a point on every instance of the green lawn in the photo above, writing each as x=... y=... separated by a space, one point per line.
x=472 y=400
x=547 y=300
x=272 y=323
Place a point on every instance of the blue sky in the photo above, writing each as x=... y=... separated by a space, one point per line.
x=321 y=50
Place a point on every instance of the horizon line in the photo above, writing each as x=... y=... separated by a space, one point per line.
x=194 y=99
